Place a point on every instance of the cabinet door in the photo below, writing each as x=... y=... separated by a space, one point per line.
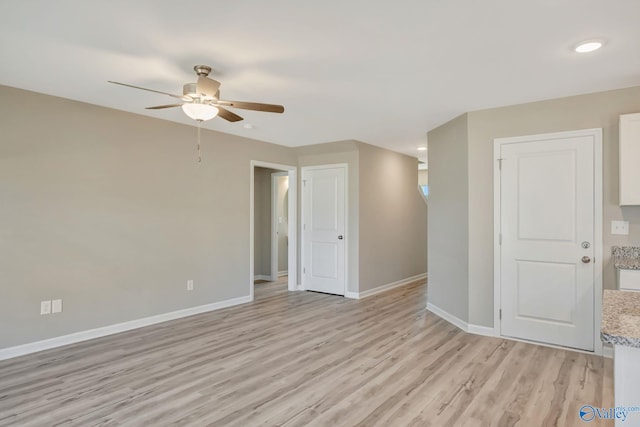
x=629 y=279
x=629 y=159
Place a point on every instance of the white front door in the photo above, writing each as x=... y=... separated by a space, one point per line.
x=323 y=229
x=547 y=206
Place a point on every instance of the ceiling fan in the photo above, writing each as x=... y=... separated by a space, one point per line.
x=201 y=100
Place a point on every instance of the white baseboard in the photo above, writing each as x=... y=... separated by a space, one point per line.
x=283 y=273
x=465 y=326
x=480 y=330
x=352 y=295
x=384 y=288
x=454 y=320
x=607 y=351
x=20 y=350
x=262 y=277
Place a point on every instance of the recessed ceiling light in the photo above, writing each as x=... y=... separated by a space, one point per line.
x=422 y=148
x=588 y=46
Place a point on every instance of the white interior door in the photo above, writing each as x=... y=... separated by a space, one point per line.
x=547 y=230
x=323 y=229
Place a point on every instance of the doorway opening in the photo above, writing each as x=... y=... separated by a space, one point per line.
x=272 y=224
x=279 y=225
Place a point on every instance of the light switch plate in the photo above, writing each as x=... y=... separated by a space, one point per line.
x=620 y=227
x=56 y=306
x=45 y=307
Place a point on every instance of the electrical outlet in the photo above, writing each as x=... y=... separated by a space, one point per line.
x=620 y=227
x=56 y=306
x=45 y=307
x=189 y=285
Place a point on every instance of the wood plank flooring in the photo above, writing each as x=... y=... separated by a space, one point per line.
x=304 y=359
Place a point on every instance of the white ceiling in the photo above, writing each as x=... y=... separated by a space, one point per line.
x=377 y=71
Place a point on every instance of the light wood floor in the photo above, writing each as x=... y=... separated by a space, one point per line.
x=303 y=358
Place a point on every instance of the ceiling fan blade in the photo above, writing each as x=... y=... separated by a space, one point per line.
x=207 y=86
x=228 y=115
x=270 y=108
x=181 y=97
x=160 y=107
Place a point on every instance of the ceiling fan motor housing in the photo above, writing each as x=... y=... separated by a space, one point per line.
x=189 y=89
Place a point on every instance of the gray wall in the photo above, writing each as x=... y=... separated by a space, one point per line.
x=110 y=212
x=392 y=240
x=598 y=110
x=282 y=209
x=449 y=218
x=262 y=221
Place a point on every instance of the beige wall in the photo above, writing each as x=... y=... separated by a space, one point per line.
x=423 y=177
x=334 y=153
x=393 y=218
x=110 y=212
x=598 y=110
x=449 y=218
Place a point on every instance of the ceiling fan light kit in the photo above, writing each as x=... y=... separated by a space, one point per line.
x=200 y=112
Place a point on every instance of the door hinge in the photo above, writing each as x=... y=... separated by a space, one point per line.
x=304 y=182
x=500 y=314
x=304 y=270
x=499 y=238
x=500 y=164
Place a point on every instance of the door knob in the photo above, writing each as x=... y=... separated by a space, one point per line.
x=586 y=259
x=340 y=237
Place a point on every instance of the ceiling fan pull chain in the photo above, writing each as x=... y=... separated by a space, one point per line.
x=199 y=156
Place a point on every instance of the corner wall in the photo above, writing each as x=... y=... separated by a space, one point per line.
x=448 y=227
x=464 y=173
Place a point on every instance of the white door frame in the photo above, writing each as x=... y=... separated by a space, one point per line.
x=346 y=220
x=292 y=171
x=596 y=133
x=274 y=225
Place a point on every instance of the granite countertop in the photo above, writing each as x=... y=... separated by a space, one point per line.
x=621 y=318
x=627 y=264
x=626 y=257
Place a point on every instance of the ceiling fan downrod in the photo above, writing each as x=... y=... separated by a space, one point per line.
x=202 y=70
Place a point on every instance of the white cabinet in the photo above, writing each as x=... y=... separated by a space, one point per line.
x=628 y=280
x=626 y=377
x=630 y=159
